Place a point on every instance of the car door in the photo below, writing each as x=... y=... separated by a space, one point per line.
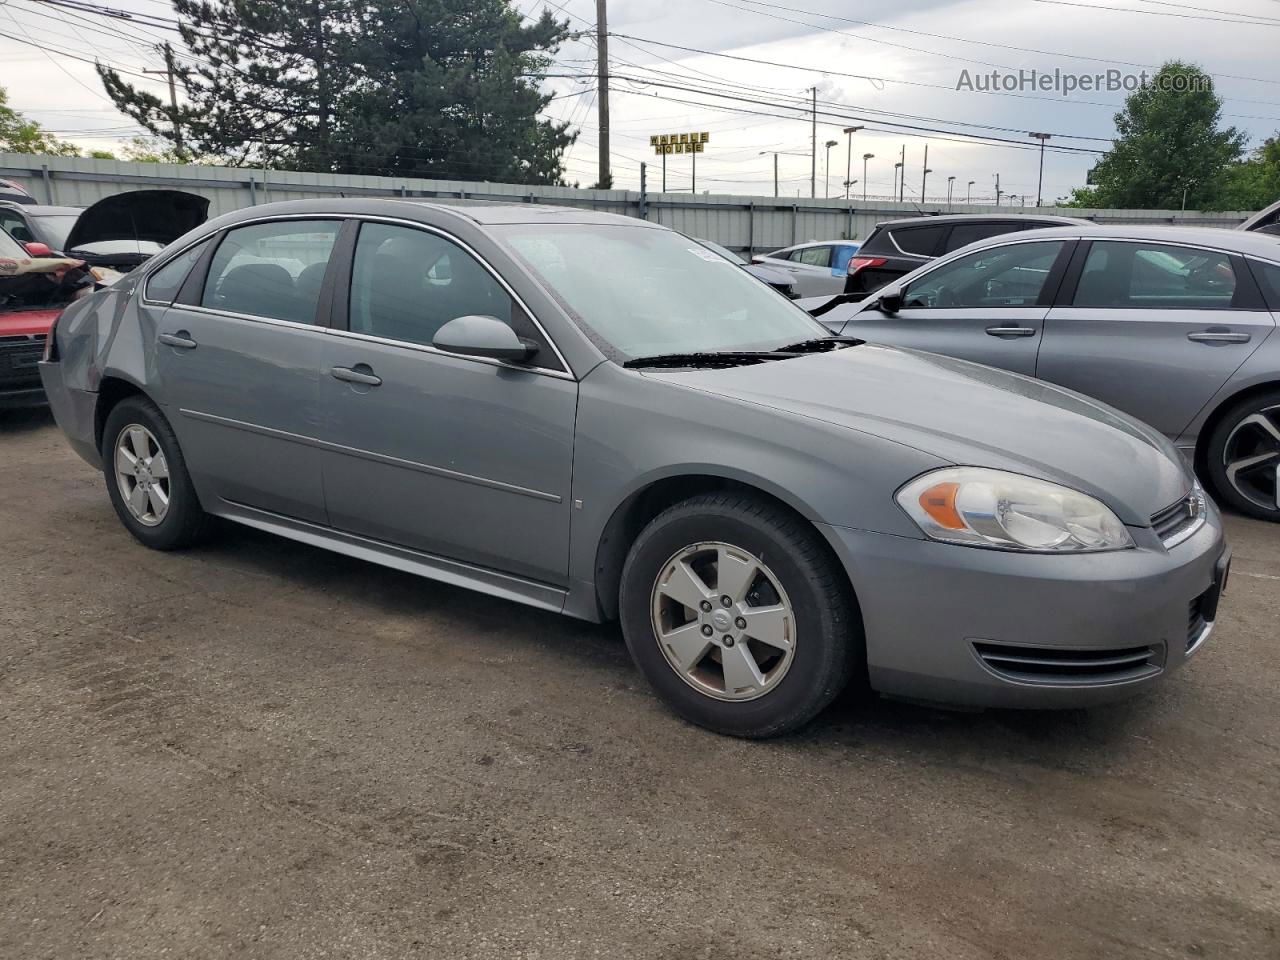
x=987 y=306
x=457 y=457
x=811 y=266
x=1154 y=329
x=238 y=359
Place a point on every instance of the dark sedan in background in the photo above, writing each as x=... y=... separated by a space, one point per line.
x=896 y=247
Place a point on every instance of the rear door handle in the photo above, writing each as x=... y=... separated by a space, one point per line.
x=1011 y=331
x=356 y=376
x=1218 y=336
x=182 y=340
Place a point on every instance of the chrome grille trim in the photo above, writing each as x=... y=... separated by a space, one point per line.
x=1180 y=520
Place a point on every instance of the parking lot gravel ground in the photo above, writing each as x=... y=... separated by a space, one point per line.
x=259 y=749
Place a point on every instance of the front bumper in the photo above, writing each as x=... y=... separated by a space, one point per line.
x=987 y=628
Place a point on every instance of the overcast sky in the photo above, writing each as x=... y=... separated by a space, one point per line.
x=904 y=71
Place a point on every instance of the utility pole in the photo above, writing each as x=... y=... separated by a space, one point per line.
x=997 y=189
x=813 y=146
x=694 y=156
x=924 y=178
x=602 y=93
x=902 y=184
x=865 y=158
x=968 y=193
x=168 y=70
x=775 y=174
x=848 y=160
x=1042 y=137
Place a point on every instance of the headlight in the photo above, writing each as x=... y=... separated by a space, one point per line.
x=1007 y=511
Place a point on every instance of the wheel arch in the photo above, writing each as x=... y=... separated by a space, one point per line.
x=1211 y=423
x=111 y=390
x=649 y=499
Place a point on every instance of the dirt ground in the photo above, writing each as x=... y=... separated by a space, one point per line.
x=259 y=749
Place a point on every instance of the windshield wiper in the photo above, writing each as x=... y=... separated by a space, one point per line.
x=820 y=344
x=717 y=358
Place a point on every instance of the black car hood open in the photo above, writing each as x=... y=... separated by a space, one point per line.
x=160 y=216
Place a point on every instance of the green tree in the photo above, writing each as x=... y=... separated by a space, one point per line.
x=449 y=88
x=1255 y=182
x=1169 y=145
x=20 y=135
x=444 y=88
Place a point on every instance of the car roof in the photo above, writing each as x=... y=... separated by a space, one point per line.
x=1237 y=241
x=488 y=213
x=979 y=218
x=37 y=209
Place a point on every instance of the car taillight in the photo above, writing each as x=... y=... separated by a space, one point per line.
x=861 y=263
x=50 y=345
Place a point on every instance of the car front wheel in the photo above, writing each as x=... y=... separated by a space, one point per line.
x=1243 y=457
x=736 y=612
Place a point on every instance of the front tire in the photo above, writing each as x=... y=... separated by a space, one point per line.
x=1243 y=457
x=147 y=477
x=736 y=612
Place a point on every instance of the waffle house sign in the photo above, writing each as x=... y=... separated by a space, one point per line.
x=664 y=143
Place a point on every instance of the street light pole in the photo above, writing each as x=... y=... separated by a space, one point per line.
x=865 y=158
x=951 y=182
x=1042 y=137
x=826 y=170
x=924 y=179
x=813 y=148
x=968 y=193
x=997 y=189
x=902 y=183
x=848 y=159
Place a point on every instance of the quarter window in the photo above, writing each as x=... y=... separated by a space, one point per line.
x=164 y=284
x=1268 y=275
x=1152 y=276
x=919 y=241
x=1013 y=275
x=406 y=284
x=272 y=270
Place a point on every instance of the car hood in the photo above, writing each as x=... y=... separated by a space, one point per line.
x=27 y=322
x=968 y=414
x=160 y=216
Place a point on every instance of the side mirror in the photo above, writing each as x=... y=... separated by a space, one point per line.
x=38 y=249
x=890 y=300
x=480 y=336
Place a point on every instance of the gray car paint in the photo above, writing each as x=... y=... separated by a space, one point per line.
x=519 y=488
x=1139 y=361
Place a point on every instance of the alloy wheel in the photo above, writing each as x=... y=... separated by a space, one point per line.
x=142 y=473
x=1251 y=458
x=723 y=621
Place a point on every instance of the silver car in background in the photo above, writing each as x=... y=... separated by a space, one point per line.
x=1173 y=325
x=767 y=509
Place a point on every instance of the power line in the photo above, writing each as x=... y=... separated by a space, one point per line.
x=1157 y=13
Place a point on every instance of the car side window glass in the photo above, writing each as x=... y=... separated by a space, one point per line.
x=920 y=241
x=815 y=256
x=406 y=284
x=16 y=227
x=1152 y=276
x=271 y=270
x=963 y=234
x=1268 y=275
x=1007 y=276
x=164 y=284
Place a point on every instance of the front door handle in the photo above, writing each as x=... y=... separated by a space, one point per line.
x=1218 y=336
x=182 y=340
x=351 y=375
x=1011 y=331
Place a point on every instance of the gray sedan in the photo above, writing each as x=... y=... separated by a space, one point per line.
x=767 y=509
x=1173 y=325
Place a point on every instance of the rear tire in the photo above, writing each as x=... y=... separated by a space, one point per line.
x=766 y=660
x=1243 y=457
x=147 y=477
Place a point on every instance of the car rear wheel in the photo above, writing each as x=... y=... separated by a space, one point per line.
x=735 y=611
x=1243 y=457
x=147 y=477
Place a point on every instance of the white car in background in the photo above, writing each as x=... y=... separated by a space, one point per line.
x=819 y=266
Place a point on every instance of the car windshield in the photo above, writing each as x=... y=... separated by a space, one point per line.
x=647 y=292
x=55 y=227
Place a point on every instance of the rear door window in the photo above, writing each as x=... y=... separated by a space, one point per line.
x=1268 y=275
x=963 y=234
x=1135 y=276
x=919 y=241
x=164 y=284
x=813 y=256
x=271 y=270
